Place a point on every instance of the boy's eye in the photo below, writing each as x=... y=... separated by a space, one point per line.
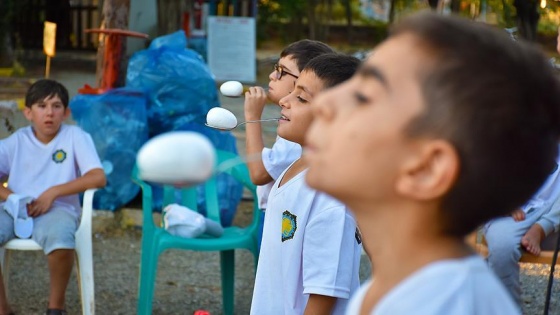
x=302 y=100
x=362 y=99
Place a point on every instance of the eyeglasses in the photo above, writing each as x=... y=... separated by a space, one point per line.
x=280 y=72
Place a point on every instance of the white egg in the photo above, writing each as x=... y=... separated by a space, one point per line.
x=181 y=158
x=231 y=88
x=221 y=118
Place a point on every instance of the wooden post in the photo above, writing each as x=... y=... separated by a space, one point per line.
x=115 y=15
x=49 y=44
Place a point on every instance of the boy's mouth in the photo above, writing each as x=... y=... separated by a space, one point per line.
x=284 y=118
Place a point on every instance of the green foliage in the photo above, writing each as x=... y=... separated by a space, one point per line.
x=550 y=19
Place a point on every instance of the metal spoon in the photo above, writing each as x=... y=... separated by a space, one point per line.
x=241 y=123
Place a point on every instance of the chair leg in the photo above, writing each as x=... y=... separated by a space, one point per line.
x=84 y=266
x=227 y=261
x=148 y=269
x=551 y=276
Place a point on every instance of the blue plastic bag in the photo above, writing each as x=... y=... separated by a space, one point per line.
x=181 y=90
x=117 y=122
x=180 y=86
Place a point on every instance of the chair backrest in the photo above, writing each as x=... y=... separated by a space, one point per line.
x=226 y=162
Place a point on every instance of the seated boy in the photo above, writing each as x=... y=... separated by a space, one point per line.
x=526 y=228
x=447 y=125
x=310 y=253
x=51 y=162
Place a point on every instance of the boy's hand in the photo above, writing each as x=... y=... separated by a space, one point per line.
x=255 y=99
x=42 y=204
x=518 y=215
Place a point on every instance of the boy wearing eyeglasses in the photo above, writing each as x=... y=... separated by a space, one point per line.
x=282 y=79
x=310 y=258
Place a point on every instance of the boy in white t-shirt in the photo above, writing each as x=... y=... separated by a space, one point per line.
x=51 y=162
x=447 y=125
x=525 y=229
x=311 y=247
x=274 y=160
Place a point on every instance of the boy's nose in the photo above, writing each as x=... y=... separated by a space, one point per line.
x=271 y=76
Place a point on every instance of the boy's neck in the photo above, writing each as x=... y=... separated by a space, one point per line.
x=297 y=167
x=401 y=241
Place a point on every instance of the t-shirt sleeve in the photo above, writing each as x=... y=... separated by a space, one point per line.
x=5 y=156
x=280 y=156
x=4 y=165
x=328 y=253
x=86 y=155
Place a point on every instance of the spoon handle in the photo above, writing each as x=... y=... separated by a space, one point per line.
x=253 y=121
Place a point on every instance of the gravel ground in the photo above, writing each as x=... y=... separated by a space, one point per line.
x=186 y=280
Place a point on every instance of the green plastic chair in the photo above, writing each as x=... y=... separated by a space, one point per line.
x=155 y=239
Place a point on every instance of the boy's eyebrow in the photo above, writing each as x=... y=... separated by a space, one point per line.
x=303 y=88
x=367 y=71
x=285 y=68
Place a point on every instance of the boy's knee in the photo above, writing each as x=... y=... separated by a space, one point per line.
x=57 y=231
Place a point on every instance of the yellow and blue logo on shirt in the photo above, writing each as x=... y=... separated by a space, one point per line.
x=289 y=225
x=59 y=156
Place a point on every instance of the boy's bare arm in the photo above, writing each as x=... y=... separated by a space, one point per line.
x=92 y=179
x=4 y=192
x=255 y=99
x=518 y=215
x=319 y=304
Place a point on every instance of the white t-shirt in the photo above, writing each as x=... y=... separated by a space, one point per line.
x=310 y=245
x=459 y=287
x=548 y=192
x=33 y=167
x=282 y=154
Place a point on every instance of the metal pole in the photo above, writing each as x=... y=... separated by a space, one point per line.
x=551 y=277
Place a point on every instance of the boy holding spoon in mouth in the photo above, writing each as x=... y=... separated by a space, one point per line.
x=274 y=160
x=310 y=258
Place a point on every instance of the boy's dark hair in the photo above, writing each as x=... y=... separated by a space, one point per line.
x=304 y=50
x=333 y=68
x=497 y=102
x=43 y=89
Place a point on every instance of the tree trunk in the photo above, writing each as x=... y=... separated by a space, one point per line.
x=348 y=10
x=455 y=6
x=170 y=14
x=6 y=49
x=327 y=17
x=392 y=11
x=115 y=15
x=527 y=18
x=432 y=3
x=311 y=19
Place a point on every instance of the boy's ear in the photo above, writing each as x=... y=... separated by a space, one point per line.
x=431 y=172
x=67 y=112
x=27 y=113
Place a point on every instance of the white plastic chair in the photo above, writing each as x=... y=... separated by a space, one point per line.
x=84 y=257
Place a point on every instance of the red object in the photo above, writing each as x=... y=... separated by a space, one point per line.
x=198 y=14
x=112 y=58
x=187 y=24
x=201 y=312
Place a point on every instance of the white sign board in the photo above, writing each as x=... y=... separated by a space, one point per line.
x=232 y=48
